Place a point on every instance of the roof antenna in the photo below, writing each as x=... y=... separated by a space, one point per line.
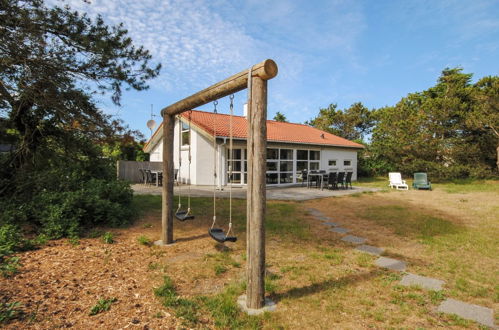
x=151 y=123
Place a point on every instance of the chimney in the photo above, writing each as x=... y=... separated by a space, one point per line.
x=245 y=110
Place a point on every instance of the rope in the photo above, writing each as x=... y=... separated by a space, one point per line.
x=214 y=166
x=231 y=162
x=179 y=162
x=189 y=170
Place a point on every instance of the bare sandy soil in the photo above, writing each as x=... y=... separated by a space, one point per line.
x=320 y=276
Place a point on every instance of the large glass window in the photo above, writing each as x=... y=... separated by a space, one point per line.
x=307 y=160
x=302 y=154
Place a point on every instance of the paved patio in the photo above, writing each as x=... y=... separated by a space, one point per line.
x=295 y=193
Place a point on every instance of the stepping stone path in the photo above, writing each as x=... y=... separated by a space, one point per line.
x=340 y=230
x=354 y=239
x=476 y=313
x=482 y=315
x=370 y=249
x=422 y=281
x=390 y=263
x=315 y=212
x=332 y=224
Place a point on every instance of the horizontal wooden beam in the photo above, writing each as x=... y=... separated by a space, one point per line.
x=266 y=70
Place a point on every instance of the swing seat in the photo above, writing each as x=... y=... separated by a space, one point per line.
x=182 y=216
x=218 y=235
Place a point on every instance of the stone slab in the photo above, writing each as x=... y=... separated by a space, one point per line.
x=390 y=263
x=315 y=212
x=339 y=230
x=370 y=249
x=332 y=224
x=422 y=281
x=354 y=239
x=269 y=306
x=482 y=315
x=322 y=218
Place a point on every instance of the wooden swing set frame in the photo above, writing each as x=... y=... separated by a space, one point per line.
x=256 y=155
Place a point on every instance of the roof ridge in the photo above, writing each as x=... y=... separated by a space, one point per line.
x=275 y=121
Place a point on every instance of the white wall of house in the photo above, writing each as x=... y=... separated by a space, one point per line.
x=334 y=159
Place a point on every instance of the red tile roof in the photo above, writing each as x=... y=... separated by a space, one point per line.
x=276 y=131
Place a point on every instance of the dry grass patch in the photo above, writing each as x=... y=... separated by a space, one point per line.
x=318 y=281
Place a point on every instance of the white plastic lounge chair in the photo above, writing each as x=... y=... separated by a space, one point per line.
x=396 y=181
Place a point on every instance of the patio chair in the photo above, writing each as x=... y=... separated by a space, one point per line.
x=331 y=180
x=303 y=176
x=313 y=178
x=421 y=181
x=151 y=177
x=395 y=181
x=340 y=180
x=143 y=175
x=348 y=180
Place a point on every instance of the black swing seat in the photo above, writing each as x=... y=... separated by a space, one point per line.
x=182 y=216
x=218 y=235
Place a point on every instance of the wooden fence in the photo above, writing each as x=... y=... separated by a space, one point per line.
x=129 y=170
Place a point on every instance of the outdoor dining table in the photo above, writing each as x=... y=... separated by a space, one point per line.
x=320 y=175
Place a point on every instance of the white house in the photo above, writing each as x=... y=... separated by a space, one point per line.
x=291 y=148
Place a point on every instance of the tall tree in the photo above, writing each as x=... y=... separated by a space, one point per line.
x=354 y=123
x=280 y=117
x=52 y=61
x=485 y=115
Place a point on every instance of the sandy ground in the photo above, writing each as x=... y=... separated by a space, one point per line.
x=58 y=284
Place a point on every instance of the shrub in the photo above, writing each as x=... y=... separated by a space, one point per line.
x=102 y=305
x=9 y=311
x=97 y=202
x=108 y=238
x=144 y=240
x=10 y=240
x=9 y=266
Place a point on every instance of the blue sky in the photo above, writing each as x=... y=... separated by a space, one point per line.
x=339 y=52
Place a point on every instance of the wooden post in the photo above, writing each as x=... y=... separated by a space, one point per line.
x=168 y=178
x=257 y=157
x=256 y=198
x=265 y=70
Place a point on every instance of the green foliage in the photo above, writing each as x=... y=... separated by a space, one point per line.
x=226 y=313
x=103 y=305
x=184 y=308
x=220 y=269
x=108 y=238
x=354 y=123
x=450 y=130
x=59 y=180
x=144 y=240
x=280 y=117
x=9 y=311
x=9 y=266
x=10 y=240
x=438 y=131
x=96 y=202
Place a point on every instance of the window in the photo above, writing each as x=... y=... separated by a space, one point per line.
x=302 y=154
x=287 y=154
x=237 y=160
x=331 y=162
x=315 y=155
x=272 y=153
x=186 y=134
x=347 y=163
